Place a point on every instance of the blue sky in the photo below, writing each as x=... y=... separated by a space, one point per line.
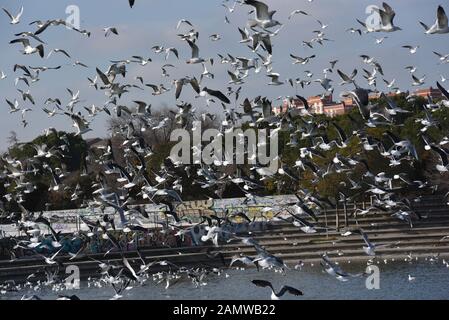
x=154 y=23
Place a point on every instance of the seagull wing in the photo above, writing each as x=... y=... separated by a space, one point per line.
x=218 y=94
x=388 y=15
x=40 y=49
x=443 y=90
x=244 y=34
x=267 y=44
x=361 y=98
x=290 y=290
x=262 y=284
x=152 y=86
x=128 y=266
x=362 y=23
x=442 y=18
x=24 y=42
x=261 y=9
x=233 y=76
x=43 y=28
x=11 y=105
x=344 y=76
x=195 y=49
x=103 y=77
x=362 y=234
x=179 y=86
x=175 y=51
x=183 y=21
x=384 y=17
x=21 y=12
x=65 y=53
x=425 y=26
x=378 y=68
x=304 y=102
x=77 y=121
x=8 y=14
x=195 y=85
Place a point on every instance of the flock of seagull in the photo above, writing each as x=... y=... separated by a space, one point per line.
x=163 y=186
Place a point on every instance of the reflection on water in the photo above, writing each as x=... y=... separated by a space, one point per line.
x=431 y=282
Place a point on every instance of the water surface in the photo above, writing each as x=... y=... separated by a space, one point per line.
x=431 y=282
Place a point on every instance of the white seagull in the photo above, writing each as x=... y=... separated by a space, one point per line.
x=387 y=16
x=275 y=79
x=180 y=22
x=412 y=49
x=444 y=58
x=264 y=17
x=14 y=19
x=418 y=81
x=274 y=295
x=79 y=123
x=195 y=54
x=28 y=49
x=13 y=106
x=441 y=24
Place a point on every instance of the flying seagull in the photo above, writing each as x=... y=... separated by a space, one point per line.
x=300 y=60
x=13 y=106
x=387 y=15
x=347 y=79
x=195 y=54
x=275 y=79
x=278 y=295
x=294 y=12
x=335 y=270
x=444 y=58
x=412 y=49
x=79 y=123
x=418 y=81
x=443 y=166
x=108 y=30
x=180 y=22
x=441 y=24
x=216 y=94
x=28 y=49
x=58 y=51
x=14 y=19
x=264 y=17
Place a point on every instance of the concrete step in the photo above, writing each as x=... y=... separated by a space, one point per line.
x=296 y=232
x=334 y=247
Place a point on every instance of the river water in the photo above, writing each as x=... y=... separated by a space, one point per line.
x=431 y=281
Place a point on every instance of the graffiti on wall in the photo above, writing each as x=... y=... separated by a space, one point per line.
x=204 y=207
